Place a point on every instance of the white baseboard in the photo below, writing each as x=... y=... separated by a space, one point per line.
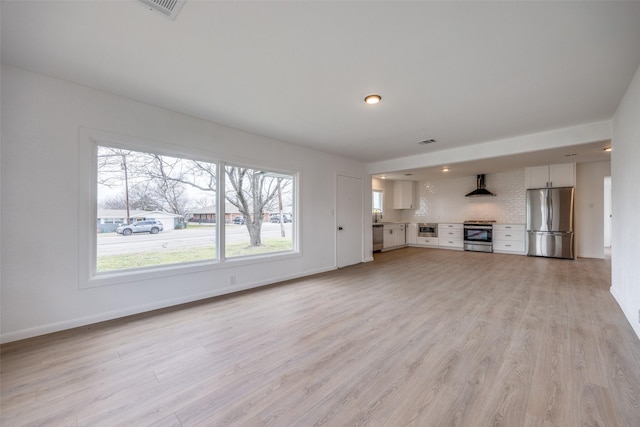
x=115 y=314
x=631 y=317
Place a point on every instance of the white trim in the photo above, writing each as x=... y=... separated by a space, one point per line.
x=633 y=321
x=581 y=134
x=361 y=216
x=115 y=314
x=88 y=141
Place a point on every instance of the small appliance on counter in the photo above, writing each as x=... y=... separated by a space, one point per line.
x=478 y=235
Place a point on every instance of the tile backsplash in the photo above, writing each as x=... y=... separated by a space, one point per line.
x=443 y=200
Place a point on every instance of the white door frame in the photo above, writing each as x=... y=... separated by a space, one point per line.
x=355 y=225
x=607 y=212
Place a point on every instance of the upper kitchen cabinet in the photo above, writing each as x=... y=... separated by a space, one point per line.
x=562 y=175
x=403 y=195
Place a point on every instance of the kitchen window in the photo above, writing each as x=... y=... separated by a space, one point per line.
x=377 y=199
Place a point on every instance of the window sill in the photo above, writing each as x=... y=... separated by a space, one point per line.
x=127 y=276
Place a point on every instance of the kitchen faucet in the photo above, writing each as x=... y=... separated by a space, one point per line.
x=376 y=212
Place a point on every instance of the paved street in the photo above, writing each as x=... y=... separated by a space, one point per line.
x=114 y=244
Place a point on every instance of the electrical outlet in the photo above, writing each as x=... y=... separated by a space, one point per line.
x=232 y=279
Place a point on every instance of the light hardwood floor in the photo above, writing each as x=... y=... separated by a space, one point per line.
x=421 y=337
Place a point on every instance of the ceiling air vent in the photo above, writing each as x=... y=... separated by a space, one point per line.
x=168 y=8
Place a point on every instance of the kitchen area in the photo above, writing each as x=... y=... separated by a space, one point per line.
x=496 y=213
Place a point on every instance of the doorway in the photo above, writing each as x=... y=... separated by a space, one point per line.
x=349 y=221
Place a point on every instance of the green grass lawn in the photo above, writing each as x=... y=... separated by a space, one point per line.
x=177 y=256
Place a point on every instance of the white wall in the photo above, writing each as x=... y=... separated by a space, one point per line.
x=442 y=200
x=607 y=212
x=625 y=187
x=589 y=208
x=40 y=198
x=565 y=137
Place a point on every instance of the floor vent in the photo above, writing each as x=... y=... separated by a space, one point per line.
x=168 y=8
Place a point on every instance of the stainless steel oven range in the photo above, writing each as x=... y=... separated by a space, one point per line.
x=478 y=235
x=426 y=229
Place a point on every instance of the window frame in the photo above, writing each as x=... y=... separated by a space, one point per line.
x=88 y=142
x=295 y=241
x=373 y=191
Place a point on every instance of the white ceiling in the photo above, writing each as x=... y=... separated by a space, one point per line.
x=582 y=153
x=460 y=72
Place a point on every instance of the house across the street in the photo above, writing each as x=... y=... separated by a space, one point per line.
x=109 y=219
x=207 y=215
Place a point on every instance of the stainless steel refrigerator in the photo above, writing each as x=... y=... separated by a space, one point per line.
x=550 y=222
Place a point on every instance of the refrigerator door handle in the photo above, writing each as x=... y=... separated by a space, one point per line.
x=549 y=211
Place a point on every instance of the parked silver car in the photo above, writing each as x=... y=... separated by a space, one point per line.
x=276 y=217
x=148 y=226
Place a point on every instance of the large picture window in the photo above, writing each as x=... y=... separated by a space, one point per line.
x=144 y=202
x=156 y=213
x=261 y=205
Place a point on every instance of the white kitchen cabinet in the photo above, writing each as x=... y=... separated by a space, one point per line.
x=562 y=175
x=403 y=195
x=451 y=236
x=412 y=234
x=394 y=236
x=427 y=241
x=509 y=238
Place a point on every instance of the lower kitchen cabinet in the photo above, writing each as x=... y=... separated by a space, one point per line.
x=451 y=243
x=509 y=238
x=427 y=241
x=451 y=236
x=412 y=234
x=394 y=236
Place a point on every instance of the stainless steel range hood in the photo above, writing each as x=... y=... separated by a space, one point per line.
x=480 y=188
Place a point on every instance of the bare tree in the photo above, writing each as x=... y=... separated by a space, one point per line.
x=115 y=202
x=253 y=192
x=166 y=175
x=280 y=210
x=139 y=198
x=250 y=191
x=162 y=179
x=113 y=168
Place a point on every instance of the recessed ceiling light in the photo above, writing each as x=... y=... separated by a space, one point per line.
x=571 y=155
x=607 y=149
x=445 y=169
x=372 y=99
x=383 y=177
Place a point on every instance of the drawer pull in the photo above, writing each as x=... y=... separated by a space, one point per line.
x=507 y=235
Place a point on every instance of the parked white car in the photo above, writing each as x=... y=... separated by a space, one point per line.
x=148 y=226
